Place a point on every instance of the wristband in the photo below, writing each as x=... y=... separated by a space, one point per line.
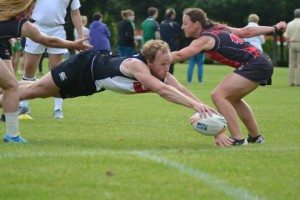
x=276 y=29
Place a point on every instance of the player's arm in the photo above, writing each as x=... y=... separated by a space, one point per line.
x=31 y=31
x=142 y=73
x=204 y=43
x=77 y=22
x=251 y=31
x=171 y=80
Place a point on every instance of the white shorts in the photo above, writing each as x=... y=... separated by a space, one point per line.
x=36 y=48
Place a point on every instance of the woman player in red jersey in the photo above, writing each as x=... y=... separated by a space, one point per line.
x=252 y=68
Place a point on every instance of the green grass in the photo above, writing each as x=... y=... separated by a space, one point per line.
x=112 y=146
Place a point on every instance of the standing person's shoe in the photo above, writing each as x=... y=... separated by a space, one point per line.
x=2 y=118
x=17 y=139
x=24 y=110
x=58 y=114
x=258 y=140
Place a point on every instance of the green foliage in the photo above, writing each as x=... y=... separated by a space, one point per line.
x=112 y=146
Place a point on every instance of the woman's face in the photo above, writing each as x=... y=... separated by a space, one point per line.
x=191 y=29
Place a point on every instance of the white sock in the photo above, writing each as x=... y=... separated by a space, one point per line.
x=12 y=124
x=25 y=103
x=58 y=103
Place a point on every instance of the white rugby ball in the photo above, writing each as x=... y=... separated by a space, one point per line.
x=211 y=125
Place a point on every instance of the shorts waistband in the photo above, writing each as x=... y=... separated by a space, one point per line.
x=47 y=25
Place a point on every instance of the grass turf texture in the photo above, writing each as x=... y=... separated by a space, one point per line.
x=112 y=146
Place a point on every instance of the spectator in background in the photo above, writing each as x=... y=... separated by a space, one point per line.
x=85 y=30
x=292 y=35
x=126 y=29
x=256 y=41
x=99 y=34
x=151 y=28
x=16 y=50
x=49 y=17
x=197 y=59
x=170 y=32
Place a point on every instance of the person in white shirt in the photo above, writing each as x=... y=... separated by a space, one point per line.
x=256 y=41
x=85 y=30
x=49 y=17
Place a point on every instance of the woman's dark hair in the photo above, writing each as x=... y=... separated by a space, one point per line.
x=197 y=14
x=97 y=16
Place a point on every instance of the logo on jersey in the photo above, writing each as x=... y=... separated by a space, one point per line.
x=62 y=76
x=139 y=88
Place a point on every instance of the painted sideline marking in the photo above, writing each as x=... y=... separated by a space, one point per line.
x=236 y=193
x=109 y=151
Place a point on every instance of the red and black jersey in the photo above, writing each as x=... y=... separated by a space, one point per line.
x=229 y=49
x=12 y=28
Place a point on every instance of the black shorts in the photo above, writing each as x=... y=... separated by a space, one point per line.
x=74 y=76
x=5 y=49
x=258 y=70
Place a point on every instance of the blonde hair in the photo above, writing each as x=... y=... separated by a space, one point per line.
x=126 y=13
x=84 y=20
x=253 y=18
x=151 y=47
x=12 y=8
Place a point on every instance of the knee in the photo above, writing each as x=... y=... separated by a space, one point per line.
x=215 y=96
x=11 y=85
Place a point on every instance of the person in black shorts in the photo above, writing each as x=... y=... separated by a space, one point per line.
x=13 y=24
x=252 y=68
x=91 y=72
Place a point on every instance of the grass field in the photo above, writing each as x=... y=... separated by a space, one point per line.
x=141 y=147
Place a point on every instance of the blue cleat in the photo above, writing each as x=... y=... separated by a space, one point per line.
x=17 y=139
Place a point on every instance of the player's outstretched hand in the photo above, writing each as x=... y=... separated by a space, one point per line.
x=223 y=140
x=81 y=46
x=281 y=26
x=204 y=109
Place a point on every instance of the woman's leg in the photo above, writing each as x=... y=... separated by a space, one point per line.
x=227 y=97
x=10 y=100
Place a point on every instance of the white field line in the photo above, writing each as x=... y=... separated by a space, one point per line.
x=235 y=193
x=214 y=182
x=4 y=155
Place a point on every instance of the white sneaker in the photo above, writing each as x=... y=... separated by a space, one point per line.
x=58 y=114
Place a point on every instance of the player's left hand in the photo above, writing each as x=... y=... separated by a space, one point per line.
x=223 y=140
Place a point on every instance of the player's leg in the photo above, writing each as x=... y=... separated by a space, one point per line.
x=42 y=88
x=55 y=60
x=10 y=100
x=30 y=67
x=227 y=97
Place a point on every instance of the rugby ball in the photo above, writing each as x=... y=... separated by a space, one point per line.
x=209 y=125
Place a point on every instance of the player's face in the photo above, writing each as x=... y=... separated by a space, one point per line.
x=190 y=28
x=160 y=66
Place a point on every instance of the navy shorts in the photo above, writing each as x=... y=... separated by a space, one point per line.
x=258 y=70
x=74 y=76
